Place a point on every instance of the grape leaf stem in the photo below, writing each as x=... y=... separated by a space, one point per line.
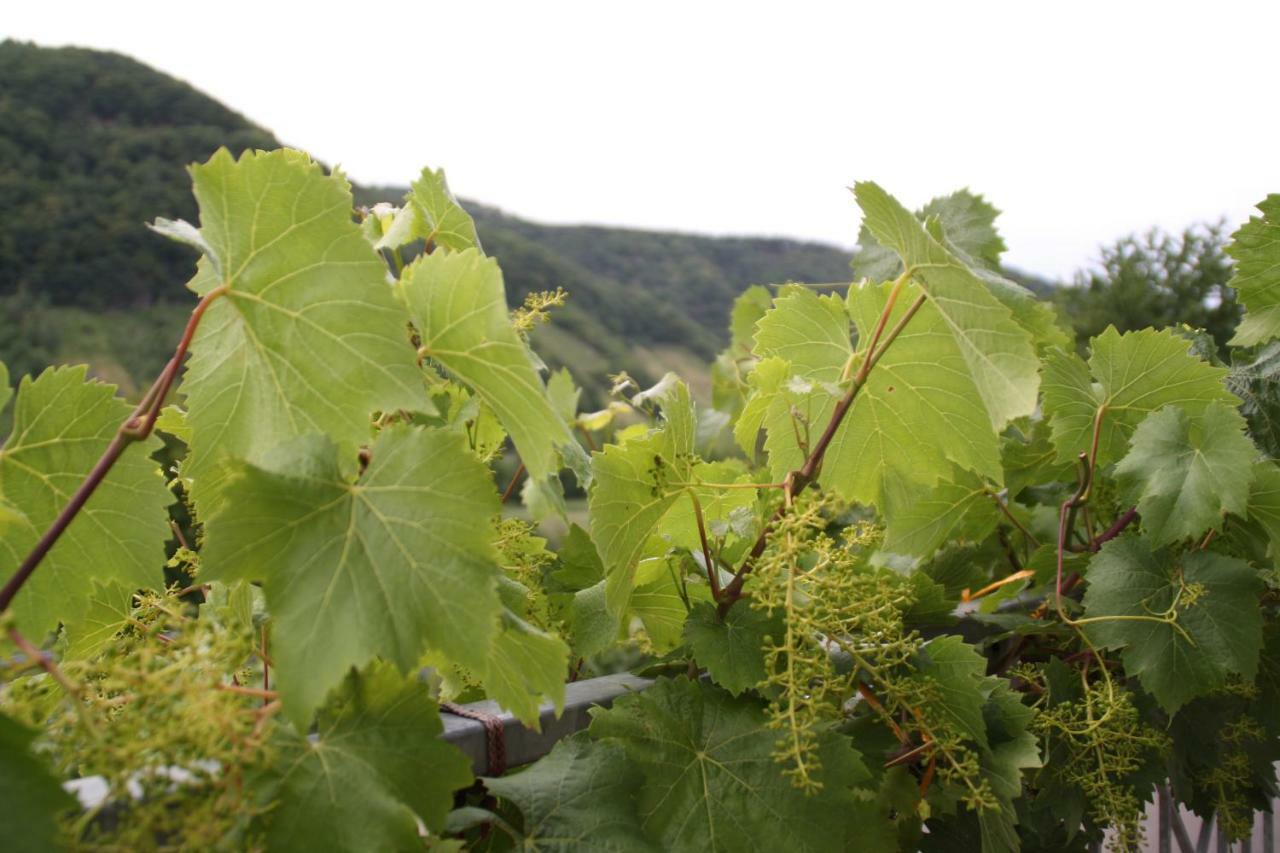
x=135 y=428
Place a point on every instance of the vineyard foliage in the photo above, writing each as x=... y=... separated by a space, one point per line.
x=919 y=575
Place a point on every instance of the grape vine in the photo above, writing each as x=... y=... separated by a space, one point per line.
x=918 y=575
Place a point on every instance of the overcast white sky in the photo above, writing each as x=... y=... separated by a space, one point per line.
x=1081 y=120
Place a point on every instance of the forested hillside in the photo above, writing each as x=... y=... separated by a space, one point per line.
x=94 y=144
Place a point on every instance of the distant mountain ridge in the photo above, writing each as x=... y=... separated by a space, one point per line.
x=93 y=144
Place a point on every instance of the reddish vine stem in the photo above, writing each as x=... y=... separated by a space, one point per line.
x=1110 y=533
x=135 y=428
x=712 y=570
x=798 y=480
x=266 y=665
x=44 y=661
x=515 y=481
x=248 y=691
x=1066 y=515
x=1116 y=529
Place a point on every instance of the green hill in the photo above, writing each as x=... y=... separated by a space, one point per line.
x=94 y=144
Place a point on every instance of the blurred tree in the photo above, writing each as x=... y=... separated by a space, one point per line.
x=1159 y=280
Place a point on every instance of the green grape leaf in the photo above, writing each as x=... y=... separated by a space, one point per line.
x=61 y=426
x=660 y=608
x=680 y=525
x=376 y=767
x=181 y=231
x=999 y=355
x=809 y=331
x=710 y=779
x=564 y=395
x=308 y=337
x=580 y=565
x=1256 y=251
x=459 y=304
x=732 y=649
x=964 y=224
x=31 y=799
x=1014 y=747
x=173 y=420
x=581 y=796
x=957 y=569
x=917 y=416
x=524 y=665
x=748 y=308
x=957 y=670
x=1136 y=373
x=109 y=608
x=1187 y=620
x=438 y=218
x=594 y=628
x=786 y=409
x=1264 y=501
x=386 y=564
x=470 y=415
x=6 y=390
x=1184 y=473
x=1032 y=460
x=968 y=220
x=1257 y=384
x=633 y=486
x=920 y=521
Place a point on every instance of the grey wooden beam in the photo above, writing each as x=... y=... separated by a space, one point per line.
x=524 y=745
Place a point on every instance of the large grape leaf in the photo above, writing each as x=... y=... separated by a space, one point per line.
x=920 y=413
x=1198 y=617
x=61 y=426
x=581 y=796
x=30 y=797
x=997 y=351
x=1256 y=250
x=711 y=781
x=385 y=564
x=1136 y=373
x=634 y=485
x=308 y=338
x=376 y=766
x=459 y=305
x=916 y=418
x=1185 y=473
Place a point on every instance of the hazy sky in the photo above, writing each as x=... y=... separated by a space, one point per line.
x=1082 y=121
